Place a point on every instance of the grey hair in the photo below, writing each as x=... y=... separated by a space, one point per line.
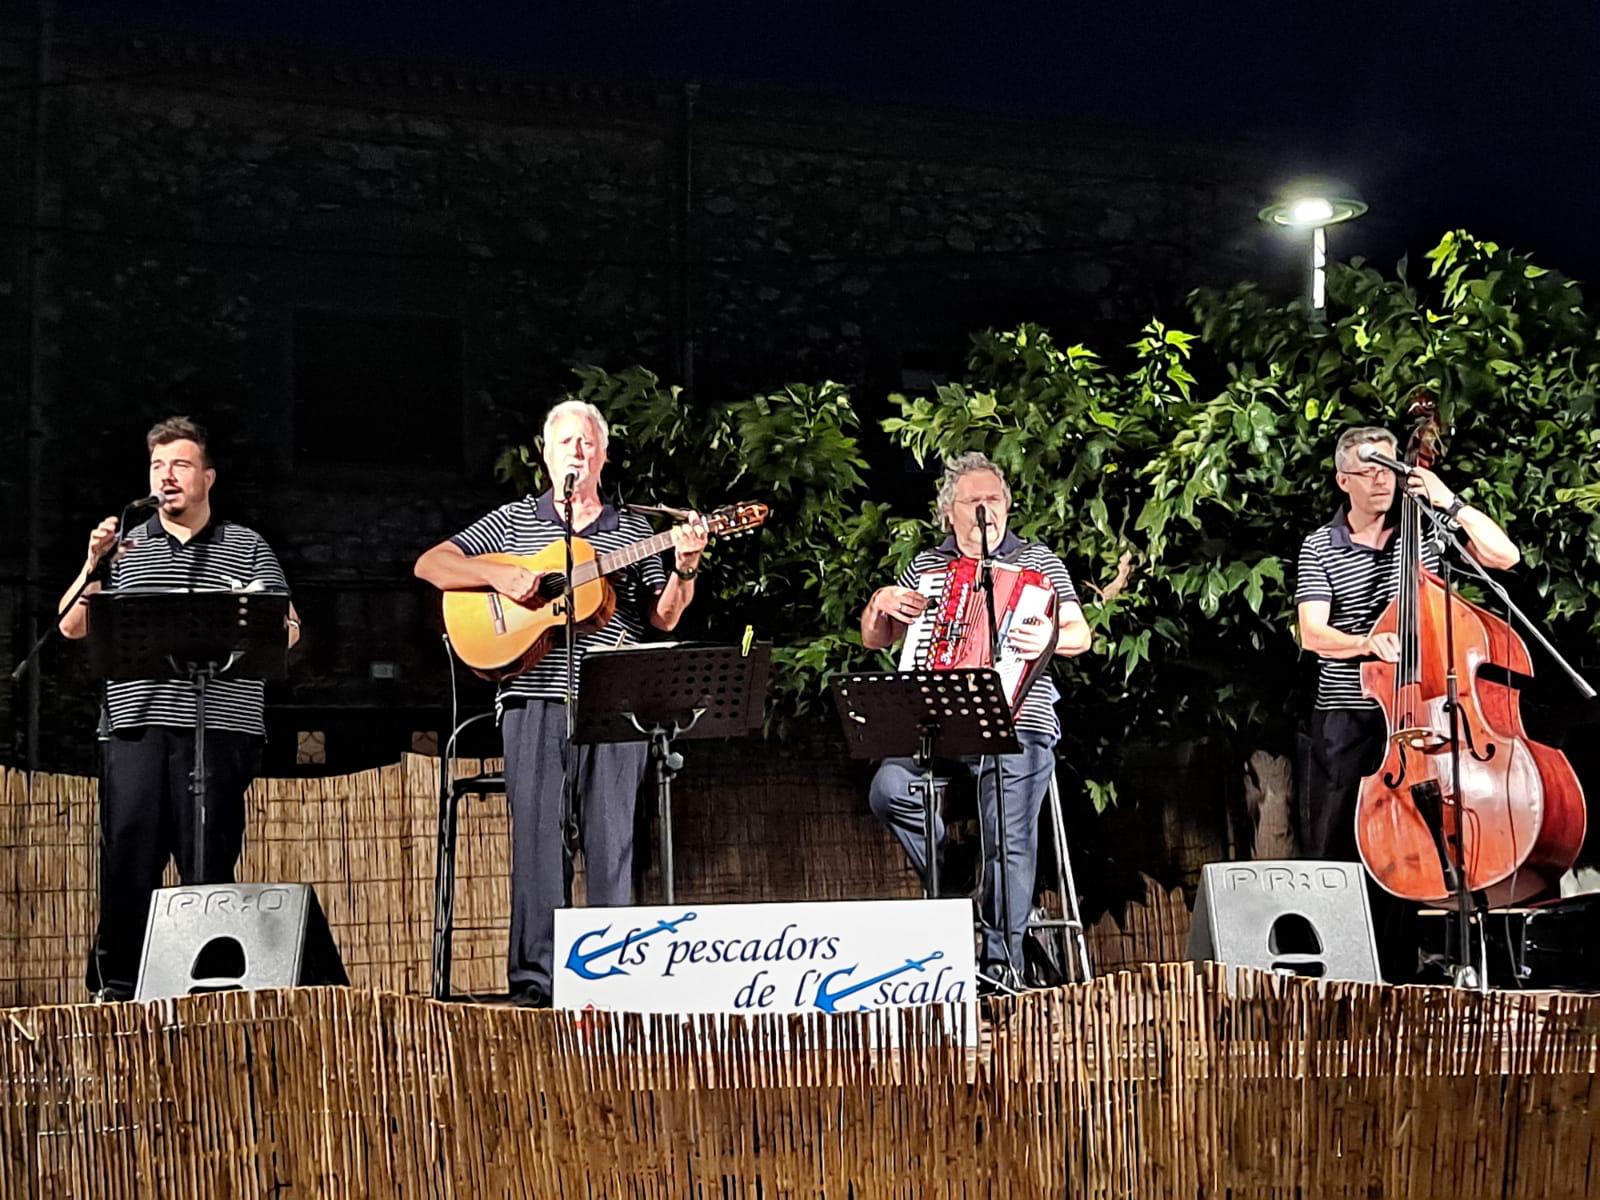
x=1354 y=438
x=582 y=408
x=965 y=464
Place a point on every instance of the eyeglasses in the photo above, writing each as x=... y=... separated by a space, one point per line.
x=1370 y=475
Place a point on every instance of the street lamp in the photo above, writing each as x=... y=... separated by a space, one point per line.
x=1314 y=209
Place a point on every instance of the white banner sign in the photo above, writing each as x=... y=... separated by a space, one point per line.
x=838 y=956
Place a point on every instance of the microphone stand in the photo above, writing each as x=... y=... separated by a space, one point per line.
x=569 y=779
x=101 y=574
x=1465 y=972
x=1012 y=975
x=1578 y=681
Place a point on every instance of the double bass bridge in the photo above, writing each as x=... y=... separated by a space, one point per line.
x=1428 y=732
x=1422 y=739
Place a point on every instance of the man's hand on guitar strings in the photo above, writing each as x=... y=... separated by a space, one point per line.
x=516 y=583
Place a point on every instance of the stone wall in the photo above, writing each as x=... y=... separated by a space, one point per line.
x=15 y=209
x=732 y=240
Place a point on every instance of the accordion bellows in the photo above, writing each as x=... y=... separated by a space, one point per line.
x=953 y=631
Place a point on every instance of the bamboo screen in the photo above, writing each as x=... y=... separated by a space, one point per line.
x=1152 y=1083
x=746 y=829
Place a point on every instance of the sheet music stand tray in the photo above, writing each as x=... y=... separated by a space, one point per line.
x=924 y=715
x=667 y=691
x=194 y=636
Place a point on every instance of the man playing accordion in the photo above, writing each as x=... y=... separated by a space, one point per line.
x=973 y=485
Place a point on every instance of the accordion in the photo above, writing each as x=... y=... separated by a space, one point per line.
x=953 y=631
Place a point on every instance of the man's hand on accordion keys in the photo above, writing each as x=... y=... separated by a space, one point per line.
x=1030 y=638
x=903 y=604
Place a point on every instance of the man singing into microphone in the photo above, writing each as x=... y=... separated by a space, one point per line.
x=1349 y=571
x=972 y=485
x=532 y=706
x=146 y=806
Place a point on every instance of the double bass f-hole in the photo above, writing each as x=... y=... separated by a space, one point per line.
x=1465 y=727
x=1395 y=780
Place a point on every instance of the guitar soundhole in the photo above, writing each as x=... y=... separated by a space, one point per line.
x=551 y=586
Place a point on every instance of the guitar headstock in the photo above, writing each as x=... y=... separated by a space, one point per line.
x=733 y=519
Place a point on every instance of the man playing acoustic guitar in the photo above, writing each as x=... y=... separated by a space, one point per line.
x=531 y=704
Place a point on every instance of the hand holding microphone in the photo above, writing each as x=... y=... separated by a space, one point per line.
x=102 y=540
x=105 y=538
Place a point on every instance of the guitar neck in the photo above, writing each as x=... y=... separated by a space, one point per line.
x=615 y=560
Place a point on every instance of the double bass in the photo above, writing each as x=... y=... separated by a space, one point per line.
x=1520 y=819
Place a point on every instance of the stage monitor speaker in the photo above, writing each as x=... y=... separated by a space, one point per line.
x=236 y=936
x=1297 y=918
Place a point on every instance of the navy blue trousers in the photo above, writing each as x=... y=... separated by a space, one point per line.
x=1025 y=778
x=608 y=784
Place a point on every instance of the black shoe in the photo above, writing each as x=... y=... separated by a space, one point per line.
x=530 y=995
x=994 y=979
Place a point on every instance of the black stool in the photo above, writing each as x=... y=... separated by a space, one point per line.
x=444 y=877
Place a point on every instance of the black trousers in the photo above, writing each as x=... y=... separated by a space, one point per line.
x=1342 y=747
x=147 y=817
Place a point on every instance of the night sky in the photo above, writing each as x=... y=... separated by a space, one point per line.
x=1439 y=115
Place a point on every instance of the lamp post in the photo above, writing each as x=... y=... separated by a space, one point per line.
x=1314 y=210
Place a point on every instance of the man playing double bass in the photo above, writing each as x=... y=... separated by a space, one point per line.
x=1349 y=572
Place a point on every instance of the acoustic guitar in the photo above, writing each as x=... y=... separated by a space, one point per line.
x=499 y=638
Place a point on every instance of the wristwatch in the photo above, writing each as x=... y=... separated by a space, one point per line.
x=1453 y=509
x=682 y=574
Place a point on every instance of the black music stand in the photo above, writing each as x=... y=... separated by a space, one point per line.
x=923 y=715
x=194 y=636
x=666 y=691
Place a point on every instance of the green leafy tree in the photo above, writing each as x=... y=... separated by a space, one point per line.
x=1074 y=437
x=1209 y=484
x=1176 y=475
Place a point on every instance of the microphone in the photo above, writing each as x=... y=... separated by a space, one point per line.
x=1371 y=454
x=983 y=532
x=153 y=500
x=568 y=484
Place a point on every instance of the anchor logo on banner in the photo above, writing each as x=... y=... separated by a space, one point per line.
x=579 y=958
x=828 y=1001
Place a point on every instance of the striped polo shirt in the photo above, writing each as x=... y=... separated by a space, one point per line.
x=527 y=526
x=220 y=557
x=1038 y=710
x=1357 y=582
